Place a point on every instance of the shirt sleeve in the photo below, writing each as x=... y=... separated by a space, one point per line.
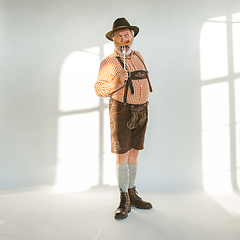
x=107 y=74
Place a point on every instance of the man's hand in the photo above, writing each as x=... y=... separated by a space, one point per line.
x=123 y=76
x=119 y=82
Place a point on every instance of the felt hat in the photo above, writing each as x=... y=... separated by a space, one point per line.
x=121 y=23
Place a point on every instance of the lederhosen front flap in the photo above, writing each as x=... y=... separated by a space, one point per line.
x=139 y=74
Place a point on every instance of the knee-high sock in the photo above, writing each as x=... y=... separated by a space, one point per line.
x=132 y=174
x=122 y=172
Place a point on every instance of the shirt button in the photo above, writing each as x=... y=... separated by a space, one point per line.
x=141 y=85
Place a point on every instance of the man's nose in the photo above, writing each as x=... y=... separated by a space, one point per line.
x=124 y=39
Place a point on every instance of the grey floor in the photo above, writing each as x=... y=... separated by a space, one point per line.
x=38 y=215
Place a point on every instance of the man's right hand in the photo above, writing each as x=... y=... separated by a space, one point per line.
x=119 y=81
x=123 y=76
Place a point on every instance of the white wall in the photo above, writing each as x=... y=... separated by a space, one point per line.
x=36 y=37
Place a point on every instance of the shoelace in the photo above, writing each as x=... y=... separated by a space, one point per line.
x=135 y=192
x=123 y=199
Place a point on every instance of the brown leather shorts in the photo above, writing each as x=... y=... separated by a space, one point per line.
x=128 y=123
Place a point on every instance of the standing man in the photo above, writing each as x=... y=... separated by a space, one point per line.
x=124 y=78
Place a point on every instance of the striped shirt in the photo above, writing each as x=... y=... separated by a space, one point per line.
x=110 y=69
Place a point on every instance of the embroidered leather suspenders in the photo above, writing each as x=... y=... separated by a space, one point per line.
x=135 y=75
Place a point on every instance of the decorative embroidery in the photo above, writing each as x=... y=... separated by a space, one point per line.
x=116 y=146
x=132 y=122
x=139 y=75
x=138 y=116
x=111 y=124
x=137 y=109
x=143 y=119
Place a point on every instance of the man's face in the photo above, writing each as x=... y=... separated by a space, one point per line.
x=122 y=37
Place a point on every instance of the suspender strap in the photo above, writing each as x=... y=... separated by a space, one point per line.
x=150 y=86
x=129 y=81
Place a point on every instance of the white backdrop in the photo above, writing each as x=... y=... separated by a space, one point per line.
x=54 y=129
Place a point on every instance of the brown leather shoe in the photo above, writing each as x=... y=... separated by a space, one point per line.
x=136 y=201
x=124 y=206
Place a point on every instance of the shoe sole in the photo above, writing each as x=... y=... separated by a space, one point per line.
x=121 y=217
x=142 y=207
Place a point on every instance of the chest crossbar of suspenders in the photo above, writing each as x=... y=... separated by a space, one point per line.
x=135 y=75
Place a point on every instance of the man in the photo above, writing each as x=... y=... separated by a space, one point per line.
x=123 y=77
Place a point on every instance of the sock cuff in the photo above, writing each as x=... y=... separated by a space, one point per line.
x=124 y=166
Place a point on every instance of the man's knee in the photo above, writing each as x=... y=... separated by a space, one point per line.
x=133 y=152
x=122 y=158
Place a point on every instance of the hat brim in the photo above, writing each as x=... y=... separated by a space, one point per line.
x=110 y=33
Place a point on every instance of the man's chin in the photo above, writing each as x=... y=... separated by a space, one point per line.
x=120 y=52
x=129 y=52
x=120 y=49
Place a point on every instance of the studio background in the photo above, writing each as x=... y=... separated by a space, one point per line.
x=54 y=130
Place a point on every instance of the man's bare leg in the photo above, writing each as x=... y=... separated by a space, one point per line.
x=132 y=157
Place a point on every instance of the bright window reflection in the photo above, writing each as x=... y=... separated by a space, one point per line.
x=216 y=138
x=109 y=171
x=236 y=47
x=216 y=150
x=238 y=148
x=213 y=49
x=77 y=77
x=78 y=148
x=236 y=17
x=79 y=140
x=215 y=105
x=236 y=61
x=218 y=157
x=218 y=19
x=238 y=176
x=109 y=164
x=108 y=48
x=218 y=183
x=216 y=160
x=237 y=99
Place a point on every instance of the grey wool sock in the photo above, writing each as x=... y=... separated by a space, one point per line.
x=132 y=174
x=122 y=172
